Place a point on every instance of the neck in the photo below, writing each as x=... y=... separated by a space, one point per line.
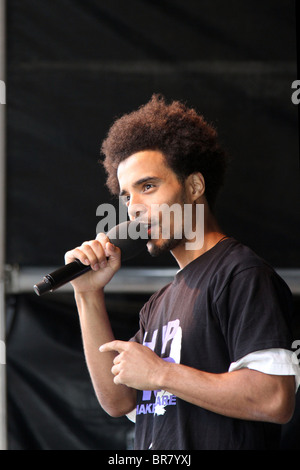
x=212 y=234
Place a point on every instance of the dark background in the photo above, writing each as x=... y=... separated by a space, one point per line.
x=73 y=66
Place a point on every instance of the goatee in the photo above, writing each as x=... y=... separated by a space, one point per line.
x=167 y=245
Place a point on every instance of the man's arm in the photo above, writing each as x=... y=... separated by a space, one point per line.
x=116 y=400
x=104 y=259
x=243 y=394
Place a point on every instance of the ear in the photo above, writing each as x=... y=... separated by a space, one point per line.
x=195 y=185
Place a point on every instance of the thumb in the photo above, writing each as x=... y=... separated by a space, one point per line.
x=114 y=254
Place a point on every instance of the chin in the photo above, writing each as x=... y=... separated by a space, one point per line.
x=165 y=246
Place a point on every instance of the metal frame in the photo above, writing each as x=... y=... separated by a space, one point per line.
x=3 y=418
x=126 y=280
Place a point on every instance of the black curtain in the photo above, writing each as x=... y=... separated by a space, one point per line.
x=74 y=65
x=51 y=401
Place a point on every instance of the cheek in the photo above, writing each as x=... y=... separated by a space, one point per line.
x=169 y=216
x=165 y=197
x=172 y=194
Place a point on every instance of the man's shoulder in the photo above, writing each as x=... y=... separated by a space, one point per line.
x=239 y=256
x=229 y=256
x=229 y=260
x=242 y=266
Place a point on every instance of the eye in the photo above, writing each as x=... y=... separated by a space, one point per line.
x=148 y=186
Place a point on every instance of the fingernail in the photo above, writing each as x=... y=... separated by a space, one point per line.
x=103 y=264
x=96 y=267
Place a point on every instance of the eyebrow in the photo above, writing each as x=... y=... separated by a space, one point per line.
x=141 y=181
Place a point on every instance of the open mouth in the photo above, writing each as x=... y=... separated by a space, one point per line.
x=153 y=231
x=146 y=225
x=149 y=229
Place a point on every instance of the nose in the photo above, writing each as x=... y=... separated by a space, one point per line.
x=135 y=208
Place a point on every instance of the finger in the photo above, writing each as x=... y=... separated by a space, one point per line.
x=112 y=252
x=117 y=359
x=110 y=248
x=115 y=369
x=118 y=381
x=95 y=254
x=102 y=238
x=77 y=253
x=89 y=253
x=116 y=345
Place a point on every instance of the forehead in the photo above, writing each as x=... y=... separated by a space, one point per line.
x=140 y=164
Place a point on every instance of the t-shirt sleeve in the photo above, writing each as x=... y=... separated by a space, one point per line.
x=144 y=315
x=139 y=336
x=254 y=311
x=274 y=361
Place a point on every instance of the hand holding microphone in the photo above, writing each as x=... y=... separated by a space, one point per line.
x=98 y=259
x=102 y=260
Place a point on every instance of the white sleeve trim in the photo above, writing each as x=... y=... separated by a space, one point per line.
x=132 y=415
x=275 y=361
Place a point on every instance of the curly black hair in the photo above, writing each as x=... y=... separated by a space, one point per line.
x=187 y=141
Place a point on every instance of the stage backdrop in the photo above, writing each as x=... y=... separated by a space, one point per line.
x=73 y=67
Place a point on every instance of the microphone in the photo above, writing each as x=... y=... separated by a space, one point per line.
x=130 y=247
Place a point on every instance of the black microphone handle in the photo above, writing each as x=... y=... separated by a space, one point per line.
x=60 y=277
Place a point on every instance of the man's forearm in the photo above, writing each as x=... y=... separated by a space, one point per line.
x=243 y=394
x=96 y=330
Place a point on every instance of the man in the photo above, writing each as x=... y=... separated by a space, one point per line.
x=210 y=367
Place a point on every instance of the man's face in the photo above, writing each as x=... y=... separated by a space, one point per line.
x=146 y=180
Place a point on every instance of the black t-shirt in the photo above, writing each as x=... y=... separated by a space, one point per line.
x=223 y=305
